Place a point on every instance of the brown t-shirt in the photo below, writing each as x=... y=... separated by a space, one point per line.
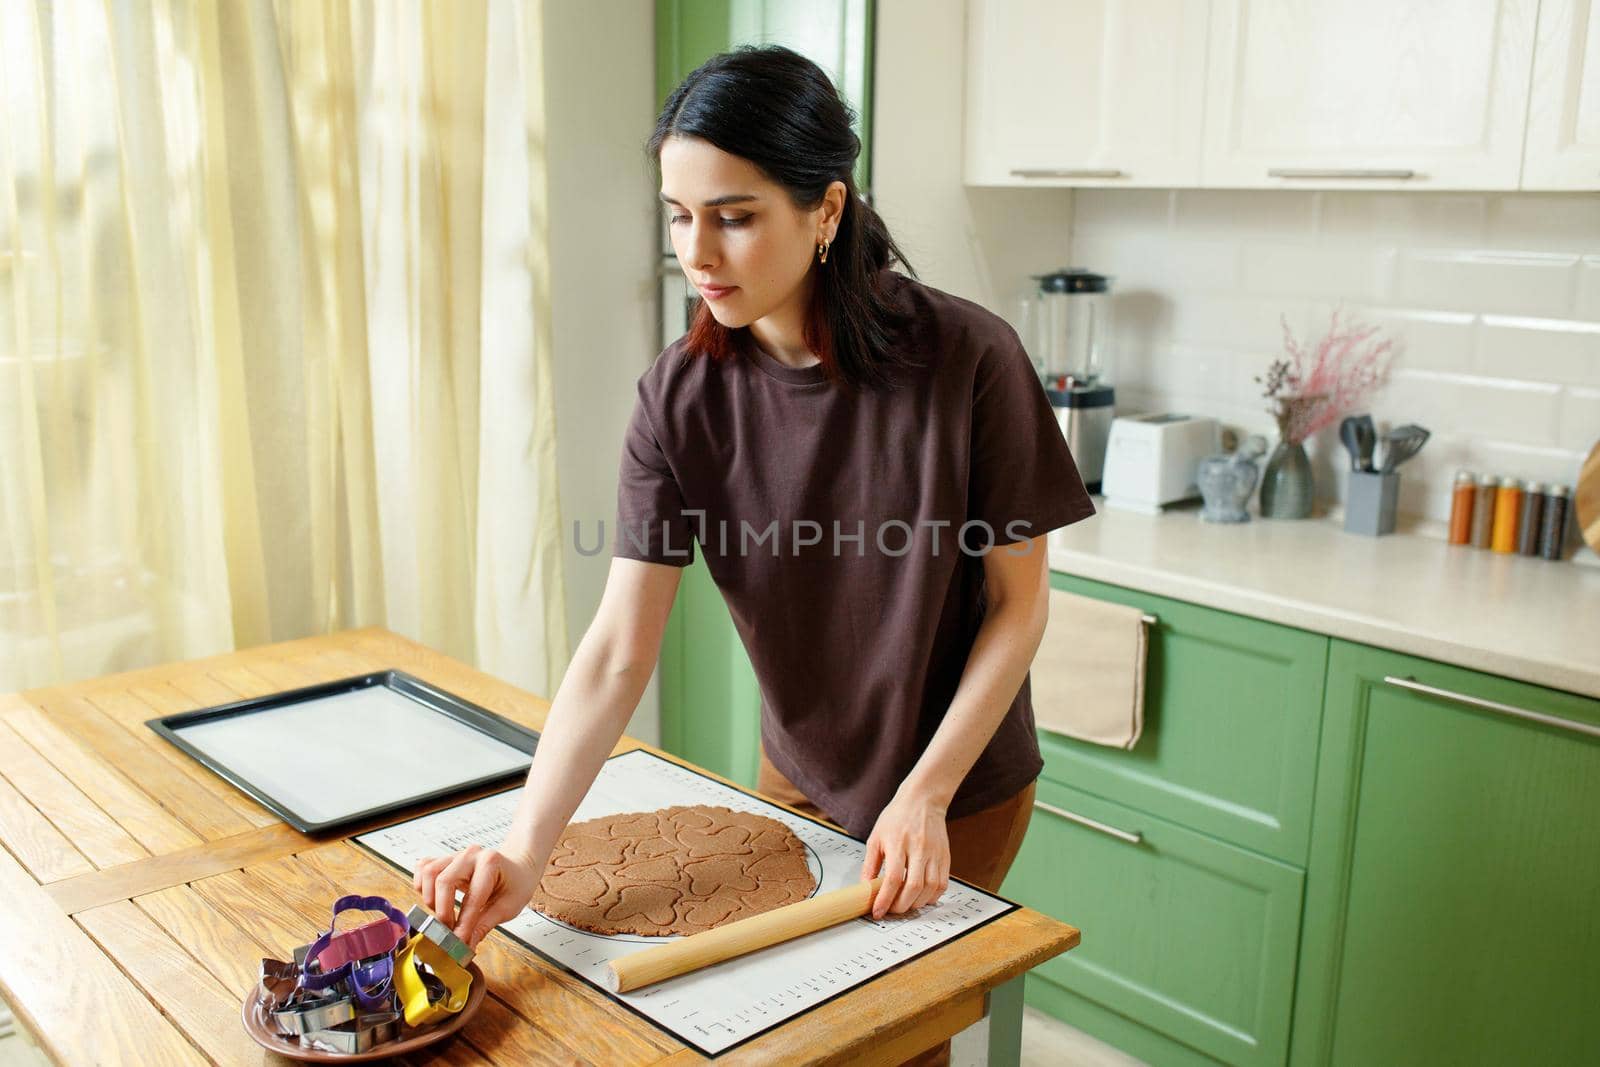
x=830 y=521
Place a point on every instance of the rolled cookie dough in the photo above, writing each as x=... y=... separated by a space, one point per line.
x=676 y=870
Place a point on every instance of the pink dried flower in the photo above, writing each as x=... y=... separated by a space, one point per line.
x=1319 y=384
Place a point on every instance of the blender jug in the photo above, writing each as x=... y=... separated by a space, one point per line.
x=1067 y=320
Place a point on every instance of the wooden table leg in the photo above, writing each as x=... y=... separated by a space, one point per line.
x=1005 y=1023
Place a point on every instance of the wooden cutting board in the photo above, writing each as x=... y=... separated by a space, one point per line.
x=1587 y=498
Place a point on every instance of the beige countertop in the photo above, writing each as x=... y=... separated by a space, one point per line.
x=1525 y=618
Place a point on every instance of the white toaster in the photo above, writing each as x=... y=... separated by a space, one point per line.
x=1152 y=459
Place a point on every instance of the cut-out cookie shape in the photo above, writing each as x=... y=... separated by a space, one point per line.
x=651 y=902
x=645 y=825
x=770 y=867
x=686 y=818
x=654 y=846
x=656 y=869
x=709 y=913
x=697 y=867
x=582 y=886
x=726 y=841
x=585 y=850
x=776 y=896
x=711 y=877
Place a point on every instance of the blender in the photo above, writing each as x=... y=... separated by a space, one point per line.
x=1066 y=329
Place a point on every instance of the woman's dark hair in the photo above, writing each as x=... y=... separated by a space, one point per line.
x=777 y=109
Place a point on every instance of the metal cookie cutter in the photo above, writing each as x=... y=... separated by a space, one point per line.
x=370 y=981
x=450 y=986
x=278 y=983
x=377 y=938
x=313 y=1013
x=429 y=926
x=336 y=948
x=362 y=1034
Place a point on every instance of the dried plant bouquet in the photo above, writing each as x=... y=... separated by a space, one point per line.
x=1318 y=382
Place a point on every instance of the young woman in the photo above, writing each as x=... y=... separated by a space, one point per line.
x=869 y=466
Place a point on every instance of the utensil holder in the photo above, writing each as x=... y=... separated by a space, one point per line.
x=1369 y=502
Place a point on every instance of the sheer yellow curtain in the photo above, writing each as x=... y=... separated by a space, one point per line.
x=274 y=333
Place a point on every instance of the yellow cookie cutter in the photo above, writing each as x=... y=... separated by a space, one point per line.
x=420 y=1008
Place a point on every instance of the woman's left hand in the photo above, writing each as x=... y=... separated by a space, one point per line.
x=910 y=845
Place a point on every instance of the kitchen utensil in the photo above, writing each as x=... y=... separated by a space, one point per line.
x=1366 y=437
x=259 y=1026
x=1350 y=434
x=1153 y=460
x=691 y=953
x=1402 y=443
x=1065 y=330
x=1587 y=498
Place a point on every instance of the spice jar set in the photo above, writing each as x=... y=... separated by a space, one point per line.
x=1509 y=516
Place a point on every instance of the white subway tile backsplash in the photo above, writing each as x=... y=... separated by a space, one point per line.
x=1588 y=304
x=1493 y=300
x=1537 y=284
x=1580 y=420
x=1248 y=323
x=1426 y=340
x=1355 y=272
x=1413 y=219
x=1143 y=258
x=1545 y=350
x=1200 y=370
x=1544 y=222
x=1428 y=398
x=1503 y=408
x=1132 y=209
x=1243 y=213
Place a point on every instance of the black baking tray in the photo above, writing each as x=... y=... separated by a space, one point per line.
x=430 y=696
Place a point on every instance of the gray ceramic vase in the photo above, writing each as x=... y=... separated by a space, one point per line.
x=1286 y=486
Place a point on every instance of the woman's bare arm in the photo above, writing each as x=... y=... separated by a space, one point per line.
x=597 y=696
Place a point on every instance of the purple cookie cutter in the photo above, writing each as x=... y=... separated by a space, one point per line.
x=329 y=959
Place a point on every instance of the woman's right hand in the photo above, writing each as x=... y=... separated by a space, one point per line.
x=498 y=884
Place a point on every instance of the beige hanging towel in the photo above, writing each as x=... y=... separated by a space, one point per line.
x=1088 y=676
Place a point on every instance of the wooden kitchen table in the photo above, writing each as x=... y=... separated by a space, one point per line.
x=138 y=893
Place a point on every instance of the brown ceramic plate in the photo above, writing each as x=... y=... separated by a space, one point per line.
x=261 y=1032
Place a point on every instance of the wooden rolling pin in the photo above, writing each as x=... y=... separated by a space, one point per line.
x=691 y=953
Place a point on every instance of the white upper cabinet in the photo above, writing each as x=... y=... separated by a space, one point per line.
x=1564 y=112
x=1087 y=92
x=1373 y=94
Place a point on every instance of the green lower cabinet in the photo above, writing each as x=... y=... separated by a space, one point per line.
x=1231 y=713
x=1453 y=900
x=1188 y=950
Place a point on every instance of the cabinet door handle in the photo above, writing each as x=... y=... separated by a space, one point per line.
x=1339 y=172
x=1066 y=172
x=1495 y=706
x=1132 y=837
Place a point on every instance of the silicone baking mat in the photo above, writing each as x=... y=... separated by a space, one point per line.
x=717 y=1008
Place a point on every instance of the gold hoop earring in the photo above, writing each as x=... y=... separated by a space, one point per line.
x=822 y=250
